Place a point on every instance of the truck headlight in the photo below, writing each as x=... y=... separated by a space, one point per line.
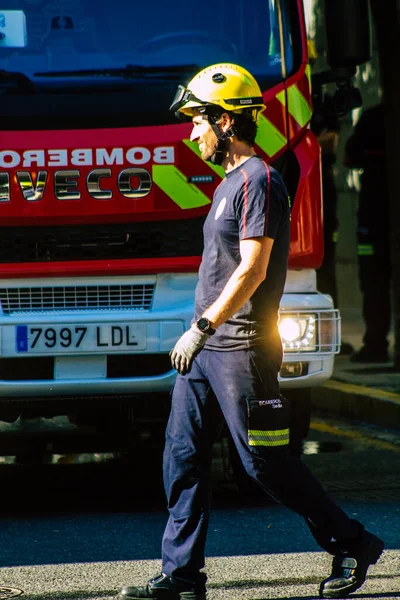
x=298 y=332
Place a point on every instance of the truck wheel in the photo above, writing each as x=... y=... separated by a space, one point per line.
x=300 y=417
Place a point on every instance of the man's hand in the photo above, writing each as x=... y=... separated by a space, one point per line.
x=186 y=348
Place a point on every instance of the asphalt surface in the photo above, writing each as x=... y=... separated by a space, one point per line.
x=81 y=531
x=253 y=553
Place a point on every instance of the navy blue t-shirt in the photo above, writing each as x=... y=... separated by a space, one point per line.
x=250 y=202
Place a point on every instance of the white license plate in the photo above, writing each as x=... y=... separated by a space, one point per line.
x=71 y=339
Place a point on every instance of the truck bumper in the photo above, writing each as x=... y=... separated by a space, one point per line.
x=52 y=371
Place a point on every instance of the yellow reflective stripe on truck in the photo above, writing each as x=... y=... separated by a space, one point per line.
x=298 y=106
x=176 y=186
x=308 y=75
x=281 y=96
x=269 y=138
x=275 y=437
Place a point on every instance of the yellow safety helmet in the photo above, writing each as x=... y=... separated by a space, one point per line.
x=226 y=85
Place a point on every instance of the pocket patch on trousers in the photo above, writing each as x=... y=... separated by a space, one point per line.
x=268 y=421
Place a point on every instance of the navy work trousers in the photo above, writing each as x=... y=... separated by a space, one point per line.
x=229 y=379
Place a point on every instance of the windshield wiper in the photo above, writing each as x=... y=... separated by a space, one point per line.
x=127 y=72
x=18 y=80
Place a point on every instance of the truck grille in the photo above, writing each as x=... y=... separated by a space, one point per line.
x=83 y=297
x=154 y=239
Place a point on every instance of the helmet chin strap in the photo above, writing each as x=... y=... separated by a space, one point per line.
x=221 y=146
x=219 y=154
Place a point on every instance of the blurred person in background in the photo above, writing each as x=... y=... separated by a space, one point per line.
x=365 y=149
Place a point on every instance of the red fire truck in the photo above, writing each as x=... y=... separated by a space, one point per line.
x=103 y=196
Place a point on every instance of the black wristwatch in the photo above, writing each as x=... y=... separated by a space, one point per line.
x=204 y=325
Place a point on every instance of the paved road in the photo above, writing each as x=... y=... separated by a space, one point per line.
x=92 y=528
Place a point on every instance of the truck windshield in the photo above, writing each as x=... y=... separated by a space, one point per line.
x=56 y=36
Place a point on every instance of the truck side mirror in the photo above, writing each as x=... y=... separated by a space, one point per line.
x=348 y=33
x=348 y=40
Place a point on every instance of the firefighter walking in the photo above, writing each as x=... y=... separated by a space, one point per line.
x=228 y=361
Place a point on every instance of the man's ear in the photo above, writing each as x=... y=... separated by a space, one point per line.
x=225 y=121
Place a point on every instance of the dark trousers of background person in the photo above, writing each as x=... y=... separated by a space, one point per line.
x=374 y=276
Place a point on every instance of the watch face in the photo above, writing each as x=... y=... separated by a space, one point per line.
x=203 y=324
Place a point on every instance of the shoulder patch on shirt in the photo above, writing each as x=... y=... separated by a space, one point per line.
x=220 y=208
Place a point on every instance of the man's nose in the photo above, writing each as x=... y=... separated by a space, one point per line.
x=194 y=136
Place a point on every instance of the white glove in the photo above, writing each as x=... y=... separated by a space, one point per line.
x=186 y=348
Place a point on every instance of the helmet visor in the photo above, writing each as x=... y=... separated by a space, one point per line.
x=182 y=97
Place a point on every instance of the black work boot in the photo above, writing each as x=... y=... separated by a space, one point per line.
x=163 y=587
x=349 y=572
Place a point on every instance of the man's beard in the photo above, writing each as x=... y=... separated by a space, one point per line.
x=220 y=150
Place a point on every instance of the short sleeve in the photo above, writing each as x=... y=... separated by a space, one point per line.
x=261 y=205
